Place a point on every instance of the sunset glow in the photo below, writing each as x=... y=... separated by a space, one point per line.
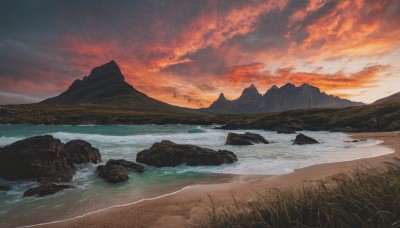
x=186 y=52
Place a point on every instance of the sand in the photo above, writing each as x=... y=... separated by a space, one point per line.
x=192 y=204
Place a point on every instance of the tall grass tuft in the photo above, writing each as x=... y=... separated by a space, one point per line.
x=368 y=197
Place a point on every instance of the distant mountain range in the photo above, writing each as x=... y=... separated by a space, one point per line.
x=106 y=86
x=287 y=97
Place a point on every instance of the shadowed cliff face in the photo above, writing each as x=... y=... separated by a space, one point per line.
x=288 y=97
x=103 y=82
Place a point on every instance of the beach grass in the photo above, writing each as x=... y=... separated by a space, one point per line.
x=366 y=197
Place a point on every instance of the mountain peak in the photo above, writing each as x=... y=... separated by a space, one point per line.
x=250 y=91
x=103 y=82
x=221 y=96
x=288 y=85
x=105 y=69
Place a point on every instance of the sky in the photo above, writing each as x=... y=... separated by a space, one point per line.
x=186 y=52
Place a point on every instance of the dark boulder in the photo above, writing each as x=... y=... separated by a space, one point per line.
x=4 y=188
x=303 y=139
x=285 y=130
x=40 y=158
x=44 y=159
x=45 y=189
x=117 y=170
x=132 y=166
x=113 y=173
x=169 y=154
x=244 y=139
x=79 y=152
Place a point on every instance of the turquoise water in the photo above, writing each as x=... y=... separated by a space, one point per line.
x=92 y=193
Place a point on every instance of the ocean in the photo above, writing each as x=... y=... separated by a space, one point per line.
x=90 y=193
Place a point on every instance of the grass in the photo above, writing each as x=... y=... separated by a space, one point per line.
x=368 y=197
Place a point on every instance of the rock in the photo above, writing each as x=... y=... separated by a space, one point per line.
x=45 y=189
x=132 y=166
x=169 y=154
x=285 y=130
x=113 y=173
x=4 y=188
x=79 y=151
x=303 y=139
x=40 y=158
x=244 y=139
x=44 y=159
x=117 y=170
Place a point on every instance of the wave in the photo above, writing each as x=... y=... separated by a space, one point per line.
x=4 y=141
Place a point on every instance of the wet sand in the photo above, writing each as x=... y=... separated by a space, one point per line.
x=192 y=204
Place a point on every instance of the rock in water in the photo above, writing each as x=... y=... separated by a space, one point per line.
x=79 y=152
x=113 y=173
x=117 y=170
x=40 y=158
x=244 y=139
x=303 y=139
x=45 y=189
x=44 y=159
x=169 y=154
x=132 y=166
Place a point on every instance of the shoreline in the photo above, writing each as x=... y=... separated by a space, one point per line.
x=190 y=204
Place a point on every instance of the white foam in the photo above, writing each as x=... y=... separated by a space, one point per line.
x=4 y=141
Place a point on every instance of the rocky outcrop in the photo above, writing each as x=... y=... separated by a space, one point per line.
x=245 y=139
x=79 y=151
x=44 y=159
x=117 y=170
x=131 y=166
x=303 y=139
x=112 y=173
x=169 y=154
x=45 y=189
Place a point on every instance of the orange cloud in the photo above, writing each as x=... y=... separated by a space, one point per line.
x=351 y=29
x=253 y=73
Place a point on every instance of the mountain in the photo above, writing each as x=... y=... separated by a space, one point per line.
x=392 y=97
x=288 y=97
x=106 y=86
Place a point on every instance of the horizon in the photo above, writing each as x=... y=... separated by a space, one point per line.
x=187 y=54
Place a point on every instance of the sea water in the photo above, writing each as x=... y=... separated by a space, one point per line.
x=91 y=193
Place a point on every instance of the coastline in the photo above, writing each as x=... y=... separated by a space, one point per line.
x=191 y=204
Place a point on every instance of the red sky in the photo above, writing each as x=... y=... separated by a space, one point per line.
x=187 y=52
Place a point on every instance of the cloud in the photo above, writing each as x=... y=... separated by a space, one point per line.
x=183 y=52
x=253 y=73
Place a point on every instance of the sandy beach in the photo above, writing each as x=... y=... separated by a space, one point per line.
x=186 y=207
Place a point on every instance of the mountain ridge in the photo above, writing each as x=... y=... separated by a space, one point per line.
x=106 y=86
x=275 y=99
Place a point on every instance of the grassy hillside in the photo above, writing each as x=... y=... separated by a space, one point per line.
x=368 y=198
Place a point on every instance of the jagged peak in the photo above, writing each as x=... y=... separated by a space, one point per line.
x=288 y=85
x=221 y=96
x=251 y=89
x=252 y=86
x=107 y=68
x=273 y=87
x=305 y=85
